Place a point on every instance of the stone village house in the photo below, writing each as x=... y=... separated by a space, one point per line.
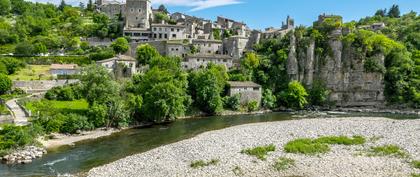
x=249 y=91
x=112 y=64
x=64 y=69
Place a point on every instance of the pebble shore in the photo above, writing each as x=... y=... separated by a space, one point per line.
x=24 y=155
x=226 y=145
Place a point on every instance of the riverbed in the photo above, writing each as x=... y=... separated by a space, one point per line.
x=86 y=155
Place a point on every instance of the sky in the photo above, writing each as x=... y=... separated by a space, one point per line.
x=260 y=14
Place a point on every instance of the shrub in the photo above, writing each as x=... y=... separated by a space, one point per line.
x=260 y=152
x=253 y=106
x=294 y=96
x=371 y=65
x=12 y=136
x=416 y=163
x=318 y=94
x=268 y=99
x=75 y=122
x=97 y=115
x=5 y=84
x=283 y=163
x=232 y=102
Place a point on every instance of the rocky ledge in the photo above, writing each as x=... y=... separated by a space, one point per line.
x=24 y=155
x=226 y=145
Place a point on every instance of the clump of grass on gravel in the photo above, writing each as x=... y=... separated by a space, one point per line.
x=283 y=163
x=416 y=163
x=387 y=150
x=202 y=163
x=320 y=145
x=238 y=171
x=415 y=175
x=260 y=152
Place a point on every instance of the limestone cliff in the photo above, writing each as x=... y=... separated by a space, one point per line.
x=341 y=69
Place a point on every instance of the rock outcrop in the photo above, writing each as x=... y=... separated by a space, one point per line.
x=25 y=155
x=341 y=69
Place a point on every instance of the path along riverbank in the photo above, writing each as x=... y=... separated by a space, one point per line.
x=226 y=145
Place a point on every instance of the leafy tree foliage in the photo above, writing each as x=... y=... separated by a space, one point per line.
x=269 y=100
x=394 y=12
x=232 y=102
x=98 y=85
x=5 y=7
x=145 y=54
x=120 y=45
x=5 y=84
x=295 y=96
x=206 y=87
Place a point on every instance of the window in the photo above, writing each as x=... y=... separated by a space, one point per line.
x=172 y=29
x=172 y=49
x=173 y=35
x=224 y=60
x=166 y=36
x=160 y=36
x=177 y=30
x=177 y=49
x=131 y=10
x=198 y=60
x=256 y=89
x=155 y=35
x=139 y=10
x=160 y=29
x=154 y=29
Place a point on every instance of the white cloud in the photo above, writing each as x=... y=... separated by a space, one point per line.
x=197 y=5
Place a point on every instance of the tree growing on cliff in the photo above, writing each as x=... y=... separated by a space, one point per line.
x=145 y=54
x=295 y=96
x=394 y=12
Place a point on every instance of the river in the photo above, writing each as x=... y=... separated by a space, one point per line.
x=88 y=154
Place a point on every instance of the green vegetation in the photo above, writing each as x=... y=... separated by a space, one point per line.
x=238 y=171
x=387 y=150
x=320 y=145
x=5 y=84
x=120 y=45
x=416 y=163
x=12 y=137
x=260 y=152
x=145 y=54
x=33 y=72
x=295 y=95
x=415 y=175
x=232 y=102
x=283 y=163
x=201 y=163
x=53 y=106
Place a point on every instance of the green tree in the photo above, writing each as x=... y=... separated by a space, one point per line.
x=24 y=49
x=206 y=86
x=145 y=54
x=120 y=45
x=163 y=9
x=98 y=85
x=5 y=84
x=5 y=7
x=394 y=12
x=381 y=12
x=251 y=61
x=232 y=102
x=318 y=94
x=62 y=5
x=90 y=7
x=295 y=95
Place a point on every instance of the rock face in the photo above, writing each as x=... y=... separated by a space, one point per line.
x=25 y=155
x=342 y=71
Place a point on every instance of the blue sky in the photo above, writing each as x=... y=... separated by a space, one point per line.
x=259 y=14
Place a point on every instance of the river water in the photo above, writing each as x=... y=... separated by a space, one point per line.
x=88 y=154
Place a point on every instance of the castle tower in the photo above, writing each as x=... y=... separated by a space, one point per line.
x=138 y=14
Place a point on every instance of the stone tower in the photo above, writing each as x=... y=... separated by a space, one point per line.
x=138 y=14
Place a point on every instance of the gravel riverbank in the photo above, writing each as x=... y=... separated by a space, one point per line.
x=226 y=145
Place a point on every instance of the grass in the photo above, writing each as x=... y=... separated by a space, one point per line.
x=320 y=145
x=76 y=106
x=415 y=175
x=238 y=171
x=33 y=72
x=387 y=150
x=202 y=163
x=416 y=164
x=4 y=110
x=283 y=163
x=260 y=152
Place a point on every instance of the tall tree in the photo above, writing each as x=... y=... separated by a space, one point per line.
x=82 y=5
x=381 y=12
x=62 y=5
x=394 y=12
x=163 y=9
x=145 y=54
x=90 y=6
x=5 y=84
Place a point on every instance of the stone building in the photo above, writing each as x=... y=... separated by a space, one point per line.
x=272 y=33
x=64 y=69
x=198 y=61
x=111 y=8
x=208 y=46
x=168 y=32
x=235 y=46
x=112 y=64
x=138 y=17
x=249 y=91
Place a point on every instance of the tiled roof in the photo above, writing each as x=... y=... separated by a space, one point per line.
x=243 y=84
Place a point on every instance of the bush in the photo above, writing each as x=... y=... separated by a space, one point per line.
x=97 y=115
x=260 y=152
x=294 y=96
x=232 y=102
x=253 y=106
x=371 y=65
x=283 y=163
x=75 y=122
x=5 y=84
x=268 y=99
x=318 y=94
x=66 y=93
x=12 y=136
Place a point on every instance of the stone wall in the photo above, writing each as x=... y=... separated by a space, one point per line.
x=41 y=86
x=342 y=70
